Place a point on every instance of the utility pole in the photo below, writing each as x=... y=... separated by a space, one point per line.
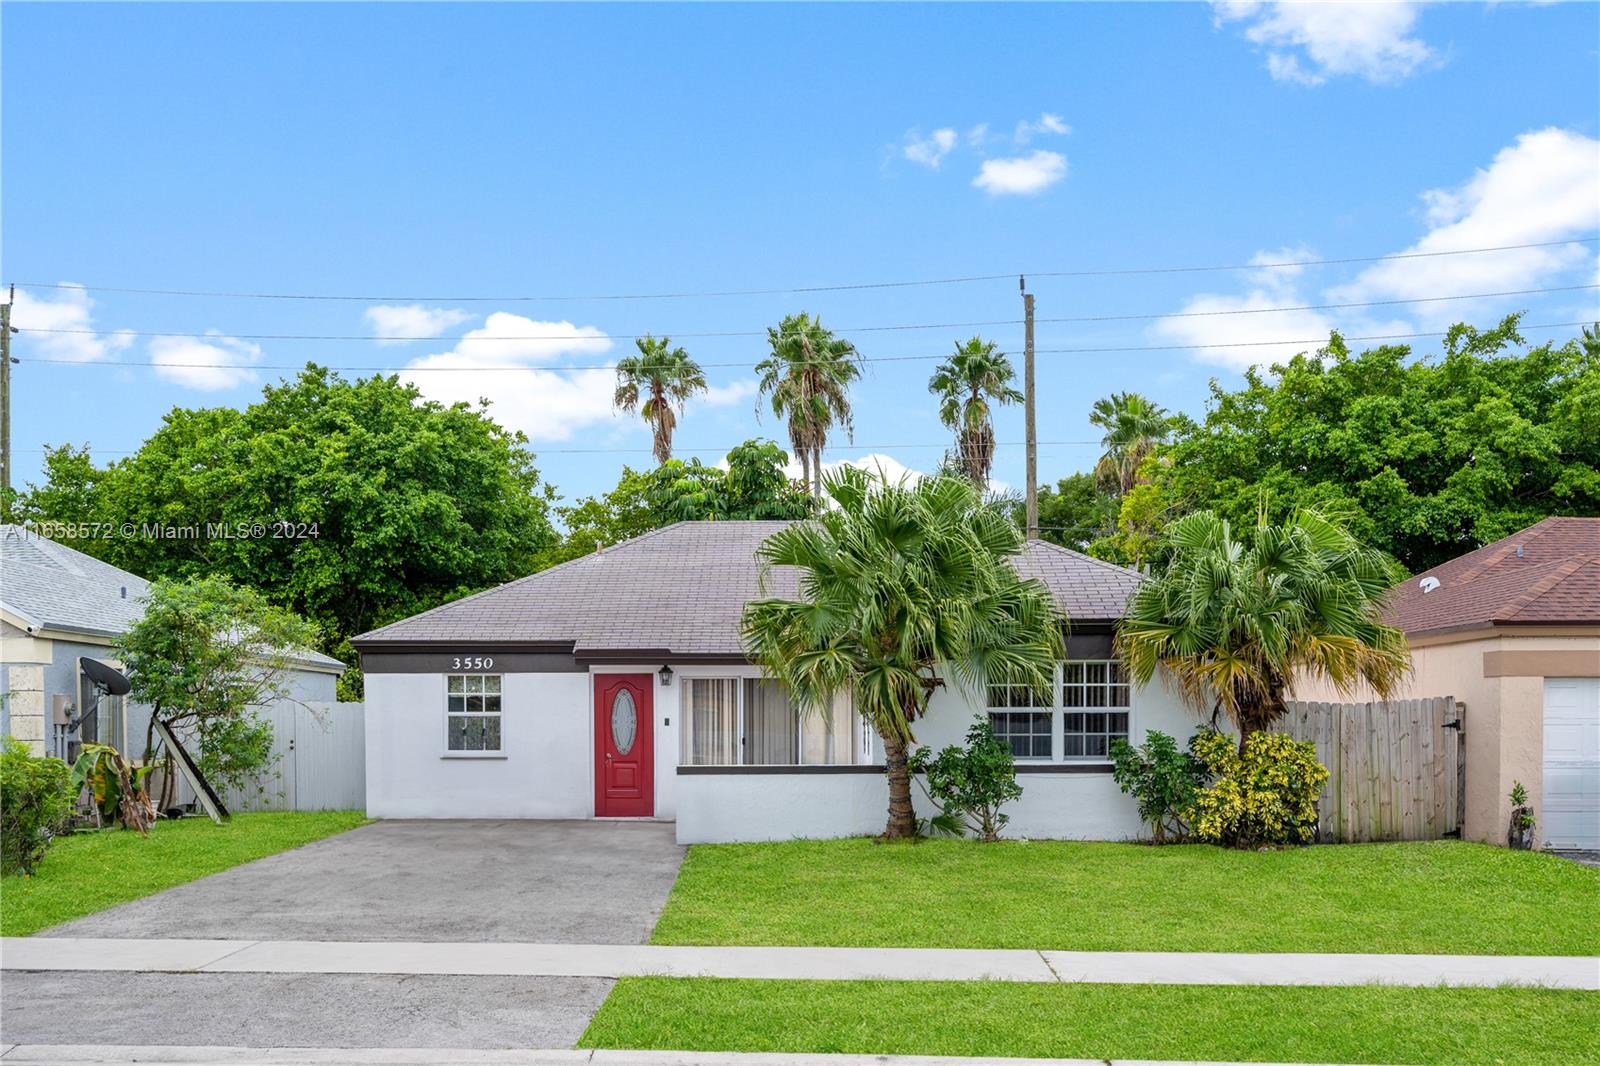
x=1030 y=430
x=5 y=397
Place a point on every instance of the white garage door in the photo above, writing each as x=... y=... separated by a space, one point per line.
x=1571 y=815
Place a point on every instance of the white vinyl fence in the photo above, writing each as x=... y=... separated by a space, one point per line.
x=320 y=762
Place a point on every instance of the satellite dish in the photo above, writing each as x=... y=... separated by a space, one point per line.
x=108 y=678
x=1428 y=584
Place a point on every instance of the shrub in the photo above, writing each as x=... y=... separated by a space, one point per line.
x=971 y=784
x=1266 y=794
x=1162 y=778
x=35 y=801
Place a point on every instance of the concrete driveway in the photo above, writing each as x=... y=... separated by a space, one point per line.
x=550 y=882
x=546 y=882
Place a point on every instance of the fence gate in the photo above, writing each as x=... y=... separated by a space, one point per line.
x=1396 y=769
x=320 y=760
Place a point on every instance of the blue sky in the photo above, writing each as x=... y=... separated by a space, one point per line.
x=424 y=154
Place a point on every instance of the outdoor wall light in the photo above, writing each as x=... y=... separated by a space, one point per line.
x=666 y=676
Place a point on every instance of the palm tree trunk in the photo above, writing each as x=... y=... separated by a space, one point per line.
x=816 y=470
x=902 y=824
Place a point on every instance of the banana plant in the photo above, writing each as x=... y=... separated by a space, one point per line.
x=115 y=787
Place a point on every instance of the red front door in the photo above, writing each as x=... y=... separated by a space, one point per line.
x=624 y=769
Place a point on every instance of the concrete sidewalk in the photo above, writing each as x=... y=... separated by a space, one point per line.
x=801 y=963
x=95 y=1055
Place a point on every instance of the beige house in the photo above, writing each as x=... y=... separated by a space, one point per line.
x=1512 y=631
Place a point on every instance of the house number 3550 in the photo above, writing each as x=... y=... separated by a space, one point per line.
x=472 y=662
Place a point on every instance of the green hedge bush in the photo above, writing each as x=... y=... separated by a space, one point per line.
x=35 y=802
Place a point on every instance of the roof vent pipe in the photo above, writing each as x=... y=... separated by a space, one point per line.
x=599 y=547
x=1428 y=584
x=1519 y=551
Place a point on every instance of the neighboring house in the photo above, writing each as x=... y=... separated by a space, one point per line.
x=59 y=607
x=1512 y=630
x=616 y=686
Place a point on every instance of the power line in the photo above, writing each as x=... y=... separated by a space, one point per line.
x=804 y=289
x=578 y=338
x=556 y=368
x=717 y=449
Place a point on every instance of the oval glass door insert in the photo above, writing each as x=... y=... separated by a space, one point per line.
x=624 y=722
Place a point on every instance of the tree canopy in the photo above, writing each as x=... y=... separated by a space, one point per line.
x=665 y=378
x=204 y=656
x=1424 y=458
x=1238 y=614
x=806 y=377
x=969 y=384
x=358 y=502
x=752 y=485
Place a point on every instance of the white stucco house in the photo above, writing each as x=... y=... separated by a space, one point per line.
x=615 y=686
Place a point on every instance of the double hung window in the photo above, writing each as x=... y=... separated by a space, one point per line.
x=1088 y=710
x=472 y=713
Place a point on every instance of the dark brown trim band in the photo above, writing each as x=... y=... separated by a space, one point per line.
x=470 y=659
x=768 y=771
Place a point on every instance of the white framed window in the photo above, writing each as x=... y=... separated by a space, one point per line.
x=1095 y=696
x=1027 y=732
x=749 y=721
x=472 y=713
x=1087 y=710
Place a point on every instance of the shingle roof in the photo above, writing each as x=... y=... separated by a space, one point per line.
x=56 y=587
x=1555 y=580
x=681 y=590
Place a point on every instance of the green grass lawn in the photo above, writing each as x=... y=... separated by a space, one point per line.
x=1439 y=897
x=1365 y=1024
x=88 y=872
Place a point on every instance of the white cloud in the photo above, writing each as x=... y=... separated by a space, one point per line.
x=1311 y=42
x=978 y=135
x=930 y=150
x=1047 y=124
x=1540 y=188
x=1025 y=175
x=1214 y=318
x=210 y=363
x=729 y=394
x=546 y=403
x=1544 y=187
x=508 y=338
x=399 y=322
x=70 y=310
x=885 y=466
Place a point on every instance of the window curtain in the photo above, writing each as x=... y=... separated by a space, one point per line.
x=770 y=737
x=711 y=733
x=827 y=738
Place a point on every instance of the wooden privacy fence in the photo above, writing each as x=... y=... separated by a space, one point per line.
x=320 y=762
x=1396 y=769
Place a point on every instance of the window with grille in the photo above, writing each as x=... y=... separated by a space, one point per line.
x=1027 y=732
x=1095 y=696
x=472 y=713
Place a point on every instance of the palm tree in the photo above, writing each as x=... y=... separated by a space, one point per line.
x=807 y=377
x=899 y=582
x=667 y=377
x=1236 y=621
x=1133 y=427
x=967 y=384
